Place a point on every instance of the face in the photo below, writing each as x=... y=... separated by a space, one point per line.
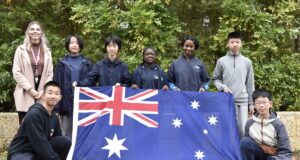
x=234 y=45
x=262 y=106
x=35 y=33
x=149 y=56
x=112 y=50
x=188 y=48
x=51 y=96
x=74 y=46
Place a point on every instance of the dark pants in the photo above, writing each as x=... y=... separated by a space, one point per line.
x=21 y=116
x=60 y=144
x=250 y=150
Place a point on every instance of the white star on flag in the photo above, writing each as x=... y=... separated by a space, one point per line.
x=195 y=104
x=177 y=123
x=205 y=131
x=199 y=155
x=212 y=120
x=114 y=146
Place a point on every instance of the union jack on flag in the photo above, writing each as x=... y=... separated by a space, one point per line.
x=117 y=105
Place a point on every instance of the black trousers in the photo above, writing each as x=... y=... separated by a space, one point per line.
x=60 y=144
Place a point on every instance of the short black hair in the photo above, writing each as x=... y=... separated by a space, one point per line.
x=235 y=34
x=261 y=93
x=146 y=48
x=51 y=83
x=115 y=39
x=79 y=40
x=195 y=40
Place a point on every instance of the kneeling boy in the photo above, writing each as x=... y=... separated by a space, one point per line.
x=265 y=136
x=40 y=136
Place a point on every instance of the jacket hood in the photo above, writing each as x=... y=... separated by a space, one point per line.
x=273 y=117
x=40 y=107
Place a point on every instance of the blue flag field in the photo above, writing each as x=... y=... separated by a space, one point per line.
x=113 y=123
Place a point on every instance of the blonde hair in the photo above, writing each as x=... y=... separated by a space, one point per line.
x=43 y=42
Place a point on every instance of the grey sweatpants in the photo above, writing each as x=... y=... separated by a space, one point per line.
x=242 y=117
x=66 y=125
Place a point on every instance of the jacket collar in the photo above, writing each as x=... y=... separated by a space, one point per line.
x=233 y=55
x=153 y=66
x=115 y=62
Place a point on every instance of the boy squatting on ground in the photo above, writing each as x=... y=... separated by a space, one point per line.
x=265 y=135
x=40 y=135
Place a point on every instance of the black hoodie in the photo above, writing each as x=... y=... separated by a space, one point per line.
x=37 y=128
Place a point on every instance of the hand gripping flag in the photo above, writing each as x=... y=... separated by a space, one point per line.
x=112 y=123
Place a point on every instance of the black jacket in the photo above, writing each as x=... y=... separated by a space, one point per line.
x=35 y=132
x=107 y=73
x=62 y=75
x=149 y=77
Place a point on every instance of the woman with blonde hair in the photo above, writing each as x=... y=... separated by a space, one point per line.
x=32 y=68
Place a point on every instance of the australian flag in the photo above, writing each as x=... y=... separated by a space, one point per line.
x=112 y=123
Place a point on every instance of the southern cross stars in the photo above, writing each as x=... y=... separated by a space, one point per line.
x=177 y=123
x=114 y=146
x=212 y=120
x=199 y=155
x=195 y=105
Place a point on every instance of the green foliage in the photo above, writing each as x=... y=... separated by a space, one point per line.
x=6 y=81
x=139 y=23
x=282 y=81
x=269 y=29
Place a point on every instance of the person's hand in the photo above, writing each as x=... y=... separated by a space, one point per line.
x=268 y=150
x=226 y=89
x=251 y=109
x=40 y=93
x=134 y=86
x=165 y=87
x=74 y=84
x=177 y=89
x=201 y=90
x=33 y=92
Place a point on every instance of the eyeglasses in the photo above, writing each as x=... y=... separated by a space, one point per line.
x=261 y=103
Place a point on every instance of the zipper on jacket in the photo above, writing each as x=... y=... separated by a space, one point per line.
x=261 y=132
x=233 y=60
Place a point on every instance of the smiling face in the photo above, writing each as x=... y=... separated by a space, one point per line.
x=149 y=56
x=188 y=48
x=35 y=33
x=51 y=96
x=112 y=50
x=74 y=46
x=262 y=106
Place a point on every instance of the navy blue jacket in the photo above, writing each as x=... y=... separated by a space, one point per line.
x=35 y=132
x=188 y=74
x=149 y=77
x=107 y=73
x=62 y=75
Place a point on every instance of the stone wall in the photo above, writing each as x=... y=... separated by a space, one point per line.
x=9 y=126
x=292 y=124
